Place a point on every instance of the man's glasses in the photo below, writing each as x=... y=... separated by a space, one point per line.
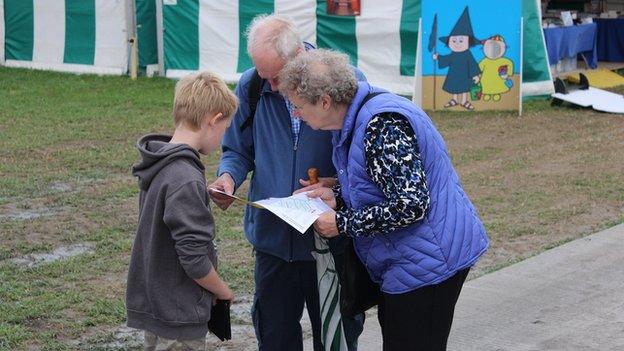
x=298 y=108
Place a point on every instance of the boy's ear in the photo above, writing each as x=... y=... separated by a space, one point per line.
x=214 y=119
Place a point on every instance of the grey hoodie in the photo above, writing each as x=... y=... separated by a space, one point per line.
x=173 y=244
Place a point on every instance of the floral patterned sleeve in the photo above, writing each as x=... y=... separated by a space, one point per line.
x=393 y=162
x=338 y=196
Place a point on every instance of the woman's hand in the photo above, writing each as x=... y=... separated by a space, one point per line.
x=325 y=194
x=325 y=225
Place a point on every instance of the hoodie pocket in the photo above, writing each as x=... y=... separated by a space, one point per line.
x=203 y=306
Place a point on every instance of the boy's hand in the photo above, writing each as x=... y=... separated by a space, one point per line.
x=224 y=183
x=327 y=182
x=224 y=294
x=213 y=283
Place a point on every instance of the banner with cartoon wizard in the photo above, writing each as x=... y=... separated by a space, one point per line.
x=471 y=56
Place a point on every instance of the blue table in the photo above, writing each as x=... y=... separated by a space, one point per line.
x=566 y=42
x=610 y=42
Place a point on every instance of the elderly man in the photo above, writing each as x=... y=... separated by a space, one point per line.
x=267 y=139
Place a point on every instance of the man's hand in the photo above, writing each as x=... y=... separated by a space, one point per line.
x=224 y=183
x=325 y=225
x=326 y=182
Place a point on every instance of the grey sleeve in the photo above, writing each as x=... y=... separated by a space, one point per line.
x=188 y=217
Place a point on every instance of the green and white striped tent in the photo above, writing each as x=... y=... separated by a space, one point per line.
x=82 y=36
x=382 y=41
x=181 y=36
x=209 y=34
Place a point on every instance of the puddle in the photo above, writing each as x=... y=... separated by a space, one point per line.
x=12 y=212
x=243 y=334
x=240 y=312
x=60 y=187
x=60 y=253
x=125 y=338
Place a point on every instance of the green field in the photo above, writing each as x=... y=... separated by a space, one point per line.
x=538 y=180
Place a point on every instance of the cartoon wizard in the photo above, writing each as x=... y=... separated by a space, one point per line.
x=463 y=72
x=497 y=70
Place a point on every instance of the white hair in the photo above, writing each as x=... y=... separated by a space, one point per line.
x=277 y=31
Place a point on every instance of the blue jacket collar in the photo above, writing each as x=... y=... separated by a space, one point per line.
x=347 y=127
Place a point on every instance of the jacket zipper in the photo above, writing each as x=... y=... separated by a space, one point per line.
x=293 y=180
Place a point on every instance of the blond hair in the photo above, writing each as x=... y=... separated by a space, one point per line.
x=199 y=95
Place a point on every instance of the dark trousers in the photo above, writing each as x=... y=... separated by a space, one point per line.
x=420 y=319
x=281 y=290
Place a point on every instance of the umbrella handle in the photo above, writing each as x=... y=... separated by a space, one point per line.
x=313 y=175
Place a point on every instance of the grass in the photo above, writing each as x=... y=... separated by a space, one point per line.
x=538 y=180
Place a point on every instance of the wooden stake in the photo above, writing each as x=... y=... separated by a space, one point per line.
x=134 y=58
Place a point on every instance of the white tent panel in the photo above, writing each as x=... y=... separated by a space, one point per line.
x=48 y=31
x=227 y=77
x=218 y=36
x=379 y=45
x=66 y=67
x=303 y=13
x=1 y=31
x=111 y=34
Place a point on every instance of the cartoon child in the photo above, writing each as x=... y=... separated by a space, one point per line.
x=343 y=7
x=463 y=70
x=497 y=70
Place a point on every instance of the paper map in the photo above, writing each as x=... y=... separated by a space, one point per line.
x=298 y=210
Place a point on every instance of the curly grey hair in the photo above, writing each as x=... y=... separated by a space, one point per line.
x=317 y=72
x=276 y=31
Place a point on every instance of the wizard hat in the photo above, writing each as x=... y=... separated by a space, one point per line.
x=462 y=27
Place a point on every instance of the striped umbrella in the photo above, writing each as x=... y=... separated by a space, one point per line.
x=332 y=331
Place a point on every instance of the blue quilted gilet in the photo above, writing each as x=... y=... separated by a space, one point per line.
x=450 y=238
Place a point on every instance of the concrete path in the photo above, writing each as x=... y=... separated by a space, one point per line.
x=567 y=298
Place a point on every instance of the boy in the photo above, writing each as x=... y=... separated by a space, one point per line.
x=172 y=278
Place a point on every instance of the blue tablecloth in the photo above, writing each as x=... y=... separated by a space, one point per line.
x=610 y=41
x=564 y=42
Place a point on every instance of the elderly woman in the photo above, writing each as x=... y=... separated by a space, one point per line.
x=398 y=197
